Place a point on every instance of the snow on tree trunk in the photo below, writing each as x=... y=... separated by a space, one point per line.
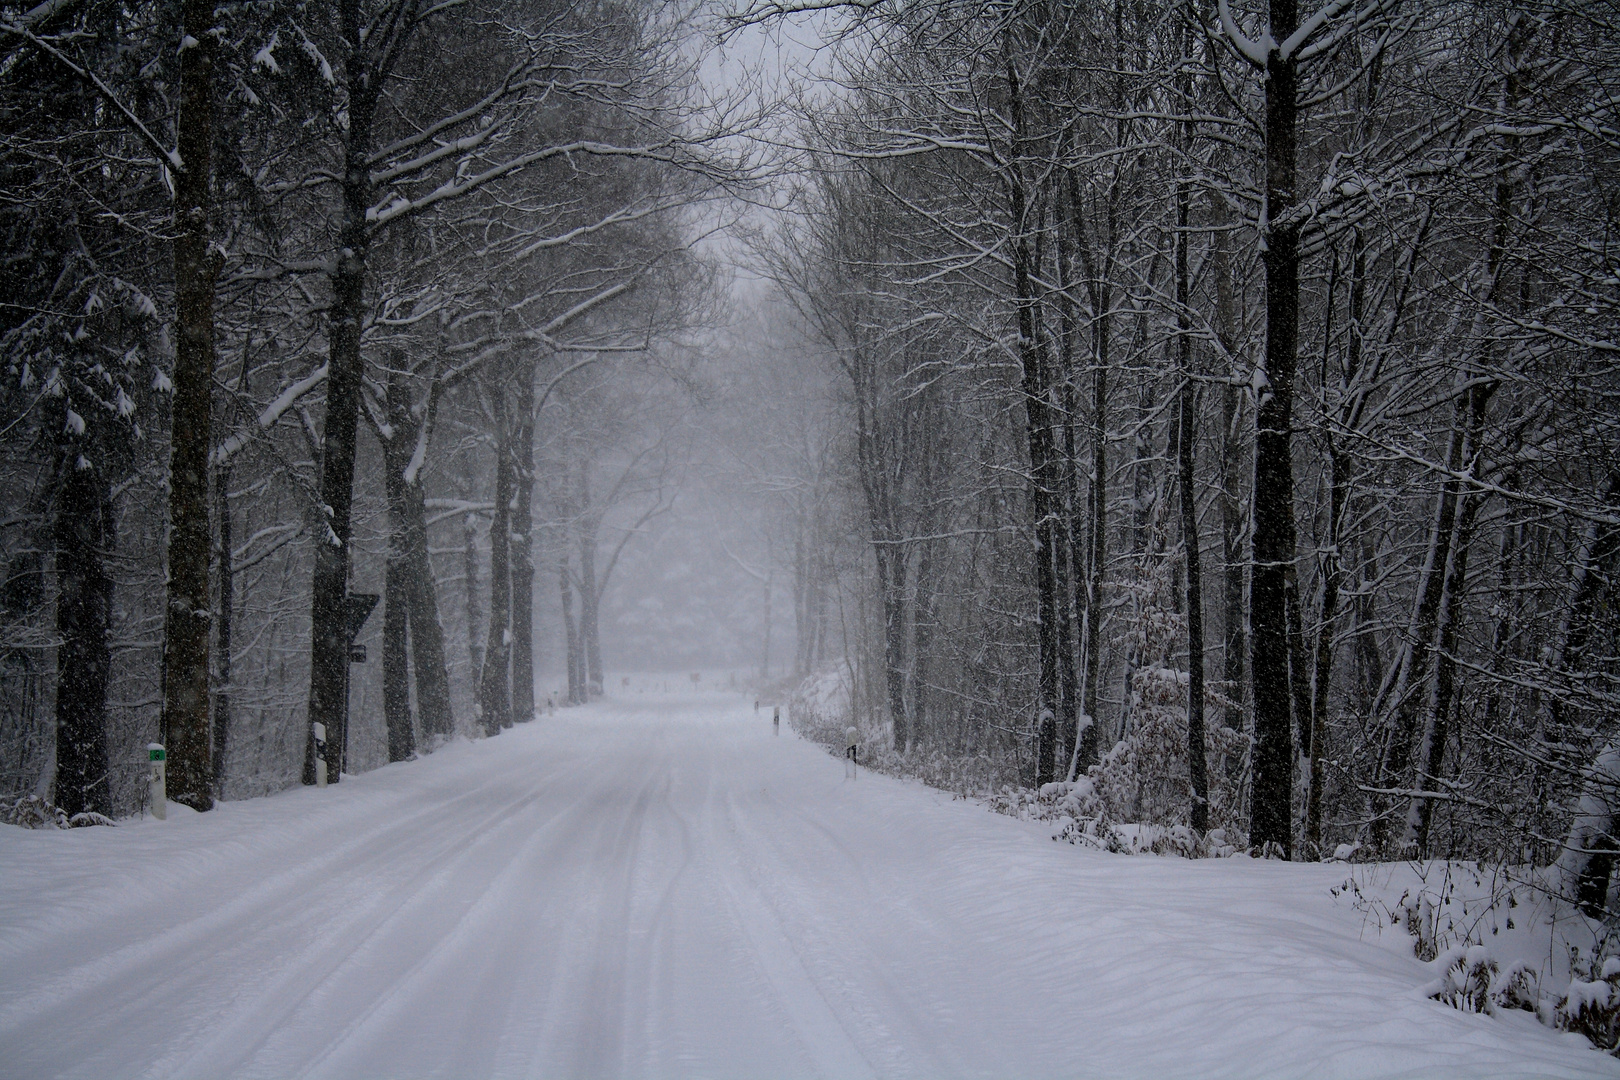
x=1273 y=540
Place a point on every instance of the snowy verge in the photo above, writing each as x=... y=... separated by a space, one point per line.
x=1494 y=940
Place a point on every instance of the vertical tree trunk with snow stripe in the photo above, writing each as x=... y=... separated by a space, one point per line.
x=1273 y=542
x=1186 y=445
x=329 y=644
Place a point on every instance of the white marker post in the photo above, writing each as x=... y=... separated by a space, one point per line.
x=160 y=796
x=320 y=753
x=852 y=753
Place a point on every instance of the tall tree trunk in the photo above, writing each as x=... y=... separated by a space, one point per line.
x=1411 y=681
x=1186 y=436
x=1071 y=527
x=397 y=585
x=227 y=605
x=1271 y=808
x=1437 y=703
x=803 y=644
x=1099 y=291
x=84 y=533
x=1586 y=860
x=891 y=567
x=522 y=556
x=1038 y=434
x=329 y=641
x=1340 y=477
x=196 y=265
x=576 y=689
x=924 y=614
x=494 y=684
x=474 y=605
x=426 y=635
x=1420 y=814
x=765 y=646
x=410 y=590
x=590 y=598
x=396 y=655
x=1234 y=638
x=403 y=454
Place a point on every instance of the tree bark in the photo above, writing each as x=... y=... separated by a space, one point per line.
x=494 y=684
x=426 y=635
x=84 y=533
x=1437 y=703
x=590 y=594
x=396 y=655
x=1420 y=814
x=1234 y=638
x=522 y=556
x=1273 y=542
x=1407 y=701
x=1186 y=436
x=329 y=644
x=227 y=605
x=1100 y=293
x=891 y=568
x=1587 y=859
x=1038 y=435
x=184 y=722
x=1340 y=478
x=407 y=542
x=474 y=612
x=576 y=689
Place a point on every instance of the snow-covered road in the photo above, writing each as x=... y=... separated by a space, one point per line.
x=655 y=886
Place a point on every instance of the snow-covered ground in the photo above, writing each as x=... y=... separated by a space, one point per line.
x=657 y=886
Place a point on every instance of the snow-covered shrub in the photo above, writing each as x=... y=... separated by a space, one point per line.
x=1467 y=979
x=1517 y=986
x=35 y=812
x=1143 y=779
x=1591 y=1007
x=32 y=812
x=89 y=817
x=1142 y=784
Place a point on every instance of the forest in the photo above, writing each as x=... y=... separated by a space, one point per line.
x=1180 y=414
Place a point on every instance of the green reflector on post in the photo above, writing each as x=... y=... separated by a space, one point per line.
x=154 y=752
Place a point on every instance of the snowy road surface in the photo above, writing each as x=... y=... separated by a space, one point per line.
x=656 y=886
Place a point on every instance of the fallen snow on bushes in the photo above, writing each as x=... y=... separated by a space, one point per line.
x=658 y=886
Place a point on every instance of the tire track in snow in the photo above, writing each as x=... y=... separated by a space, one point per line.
x=592 y=875
x=819 y=1029
x=488 y=915
x=837 y=930
x=134 y=981
x=258 y=1020
x=172 y=950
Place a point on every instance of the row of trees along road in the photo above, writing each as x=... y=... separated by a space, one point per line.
x=270 y=229
x=1227 y=394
